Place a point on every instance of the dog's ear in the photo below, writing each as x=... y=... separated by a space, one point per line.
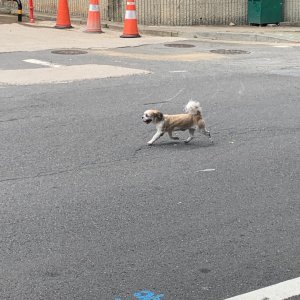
x=158 y=116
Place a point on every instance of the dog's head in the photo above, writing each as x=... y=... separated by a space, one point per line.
x=152 y=115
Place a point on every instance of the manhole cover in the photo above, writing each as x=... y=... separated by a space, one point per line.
x=229 y=51
x=180 y=45
x=69 y=52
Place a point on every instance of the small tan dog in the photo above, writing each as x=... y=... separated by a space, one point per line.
x=190 y=121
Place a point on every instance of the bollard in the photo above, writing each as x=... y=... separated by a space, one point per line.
x=31 y=18
x=19 y=10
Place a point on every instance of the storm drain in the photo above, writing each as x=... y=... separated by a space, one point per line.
x=69 y=52
x=179 y=45
x=229 y=51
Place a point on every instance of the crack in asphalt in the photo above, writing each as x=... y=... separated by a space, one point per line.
x=83 y=166
x=87 y=165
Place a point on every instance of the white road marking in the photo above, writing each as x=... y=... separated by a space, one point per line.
x=178 y=71
x=282 y=46
x=42 y=63
x=280 y=291
x=206 y=170
x=64 y=74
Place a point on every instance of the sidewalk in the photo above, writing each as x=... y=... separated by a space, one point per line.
x=267 y=34
x=42 y=35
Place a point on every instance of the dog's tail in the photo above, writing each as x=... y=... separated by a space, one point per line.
x=193 y=108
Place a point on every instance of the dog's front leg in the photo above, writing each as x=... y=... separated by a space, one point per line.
x=156 y=136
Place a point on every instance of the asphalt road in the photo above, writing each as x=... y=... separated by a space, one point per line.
x=89 y=211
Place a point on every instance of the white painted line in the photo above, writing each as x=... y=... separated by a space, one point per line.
x=42 y=63
x=179 y=71
x=206 y=170
x=280 y=291
x=282 y=46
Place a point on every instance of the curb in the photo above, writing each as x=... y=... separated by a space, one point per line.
x=143 y=30
x=247 y=37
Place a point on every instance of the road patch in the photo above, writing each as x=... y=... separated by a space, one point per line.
x=65 y=74
x=193 y=56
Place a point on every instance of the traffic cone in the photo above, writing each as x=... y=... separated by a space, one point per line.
x=93 y=22
x=130 y=23
x=63 y=16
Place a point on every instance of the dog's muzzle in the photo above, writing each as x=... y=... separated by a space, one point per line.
x=147 y=121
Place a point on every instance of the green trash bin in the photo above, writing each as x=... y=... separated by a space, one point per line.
x=261 y=12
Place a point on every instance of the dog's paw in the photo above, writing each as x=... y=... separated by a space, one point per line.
x=150 y=143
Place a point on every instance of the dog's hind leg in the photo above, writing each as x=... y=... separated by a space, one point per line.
x=172 y=137
x=191 y=132
x=207 y=133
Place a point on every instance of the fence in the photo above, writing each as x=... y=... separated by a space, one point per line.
x=292 y=10
x=192 y=12
x=76 y=7
x=168 y=12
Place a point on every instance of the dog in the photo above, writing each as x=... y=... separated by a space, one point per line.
x=192 y=120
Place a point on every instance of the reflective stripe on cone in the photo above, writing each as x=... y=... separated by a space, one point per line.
x=94 y=18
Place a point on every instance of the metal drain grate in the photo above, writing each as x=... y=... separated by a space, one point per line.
x=69 y=52
x=179 y=45
x=229 y=51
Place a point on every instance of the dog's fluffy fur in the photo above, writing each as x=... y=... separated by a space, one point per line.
x=191 y=121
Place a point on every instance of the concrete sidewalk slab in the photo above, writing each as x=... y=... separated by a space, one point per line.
x=268 y=34
x=42 y=36
x=261 y=34
x=46 y=37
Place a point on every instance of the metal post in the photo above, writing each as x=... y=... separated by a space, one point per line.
x=19 y=10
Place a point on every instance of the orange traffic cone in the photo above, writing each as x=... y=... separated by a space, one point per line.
x=93 y=22
x=130 y=23
x=63 y=16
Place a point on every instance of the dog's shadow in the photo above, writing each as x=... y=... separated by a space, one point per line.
x=181 y=145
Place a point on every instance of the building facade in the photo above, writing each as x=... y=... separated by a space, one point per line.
x=168 y=12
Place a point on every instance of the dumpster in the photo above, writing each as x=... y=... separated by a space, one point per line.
x=262 y=12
